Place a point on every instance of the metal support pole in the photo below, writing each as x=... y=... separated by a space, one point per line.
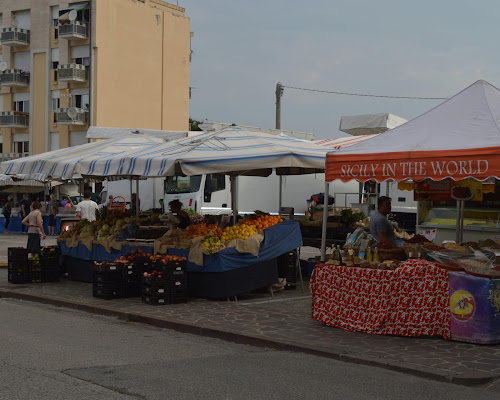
x=325 y=220
x=280 y=201
x=457 y=233
x=234 y=198
x=136 y=197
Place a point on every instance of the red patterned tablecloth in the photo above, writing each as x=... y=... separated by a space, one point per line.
x=410 y=301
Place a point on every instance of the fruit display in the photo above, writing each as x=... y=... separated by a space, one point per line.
x=262 y=221
x=242 y=231
x=131 y=257
x=202 y=229
x=211 y=243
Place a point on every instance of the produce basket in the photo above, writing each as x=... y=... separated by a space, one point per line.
x=390 y=254
x=414 y=248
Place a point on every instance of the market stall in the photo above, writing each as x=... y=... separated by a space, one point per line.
x=457 y=140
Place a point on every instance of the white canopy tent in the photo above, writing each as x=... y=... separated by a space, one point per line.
x=369 y=123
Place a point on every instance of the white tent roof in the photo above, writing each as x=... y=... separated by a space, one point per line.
x=367 y=124
x=232 y=151
x=459 y=138
x=99 y=132
x=60 y=164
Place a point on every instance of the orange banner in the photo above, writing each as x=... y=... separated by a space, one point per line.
x=417 y=165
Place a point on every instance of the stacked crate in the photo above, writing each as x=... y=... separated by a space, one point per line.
x=35 y=269
x=113 y=280
x=49 y=260
x=18 y=270
x=287 y=268
x=167 y=284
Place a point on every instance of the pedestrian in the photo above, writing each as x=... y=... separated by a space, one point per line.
x=133 y=206
x=181 y=215
x=52 y=210
x=25 y=209
x=36 y=235
x=380 y=227
x=7 y=210
x=86 y=209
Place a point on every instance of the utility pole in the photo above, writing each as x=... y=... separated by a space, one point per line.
x=279 y=93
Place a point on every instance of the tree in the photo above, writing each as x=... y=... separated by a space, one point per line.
x=194 y=125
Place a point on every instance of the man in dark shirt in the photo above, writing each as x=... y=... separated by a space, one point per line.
x=380 y=227
x=25 y=209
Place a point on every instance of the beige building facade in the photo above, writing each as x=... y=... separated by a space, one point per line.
x=110 y=63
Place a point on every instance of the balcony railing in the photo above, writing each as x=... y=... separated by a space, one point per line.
x=12 y=156
x=15 y=37
x=72 y=73
x=71 y=116
x=73 y=31
x=15 y=78
x=14 y=119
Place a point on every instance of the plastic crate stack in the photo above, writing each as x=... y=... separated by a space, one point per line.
x=49 y=260
x=166 y=284
x=289 y=269
x=114 y=280
x=18 y=270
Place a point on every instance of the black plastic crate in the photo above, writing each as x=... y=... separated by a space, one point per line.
x=17 y=253
x=107 y=291
x=49 y=253
x=131 y=289
x=18 y=277
x=36 y=276
x=155 y=289
x=107 y=272
x=155 y=299
x=17 y=267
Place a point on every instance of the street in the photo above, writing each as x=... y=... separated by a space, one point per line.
x=56 y=353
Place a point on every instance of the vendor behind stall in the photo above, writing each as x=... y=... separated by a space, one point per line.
x=380 y=227
x=181 y=215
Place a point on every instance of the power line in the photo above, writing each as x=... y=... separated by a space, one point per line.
x=366 y=95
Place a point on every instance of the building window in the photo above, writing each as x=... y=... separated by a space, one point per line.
x=20 y=147
x=55 y=65
x=55 y=104
x=55 y=24
x=23 y=105
x=81 y=60
x=80 y=101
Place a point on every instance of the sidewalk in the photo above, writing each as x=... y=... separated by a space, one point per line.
x=281 y=322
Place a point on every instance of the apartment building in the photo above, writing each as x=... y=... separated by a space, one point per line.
x=111 y=63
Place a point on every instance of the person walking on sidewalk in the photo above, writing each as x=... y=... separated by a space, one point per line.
x=36 y=234
x=25 y=209
x=86 y=209
x=52 y=210
x=7 y=210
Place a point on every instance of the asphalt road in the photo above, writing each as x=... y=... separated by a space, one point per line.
x=55 y=353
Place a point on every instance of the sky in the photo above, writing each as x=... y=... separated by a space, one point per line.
x=242 y=49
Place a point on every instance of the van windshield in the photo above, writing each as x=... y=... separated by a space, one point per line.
x=183 y=184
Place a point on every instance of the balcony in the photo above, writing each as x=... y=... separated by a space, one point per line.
x=14 y=119
x=12 y=156
x=15 y=78
x=73 y=31
x=71 y=116
x=72 y=73
x=15 y=37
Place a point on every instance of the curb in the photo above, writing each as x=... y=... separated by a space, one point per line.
x=478 y=378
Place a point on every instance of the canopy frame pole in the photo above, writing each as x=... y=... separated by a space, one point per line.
x=325 y=220
x=457 y=233
x=280 y=201
x=136 y=197
x=131 y=191
x=234 y=198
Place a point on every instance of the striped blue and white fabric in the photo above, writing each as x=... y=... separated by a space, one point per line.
x=231 y=151
x=61 y=164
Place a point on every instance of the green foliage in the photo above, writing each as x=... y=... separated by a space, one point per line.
x=194 y=125
x=348 y=217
